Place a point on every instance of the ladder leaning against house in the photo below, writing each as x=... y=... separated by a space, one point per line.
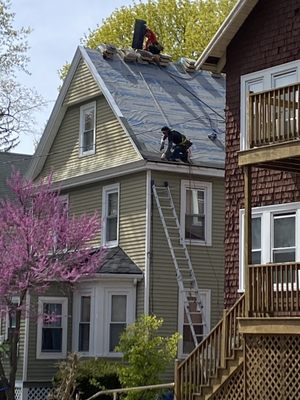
x=185 y=275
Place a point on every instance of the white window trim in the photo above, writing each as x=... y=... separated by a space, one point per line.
x=267 y=77
x=207 y=187
x=76 y=320
x=266 y=213
x=105 y=192
x=130 y=315
x=83 y=109
x=55 y=355
x=205 y=295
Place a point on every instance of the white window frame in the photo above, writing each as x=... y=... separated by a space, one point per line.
x=76 y=320
x=266 y=213
x=266 y=76
x=205 y=296
x=130 y=315
x=107 y=190
x=83 y=109
x=207 y=187
x=40 y=355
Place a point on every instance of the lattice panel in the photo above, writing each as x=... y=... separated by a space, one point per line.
x=233 y=388
x=272 y=367
x=38 y=393
x=18 y=393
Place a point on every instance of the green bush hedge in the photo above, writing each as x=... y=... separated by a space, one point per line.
x=94 y=375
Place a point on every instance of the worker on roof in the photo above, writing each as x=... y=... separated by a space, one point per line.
x=151 y=43
x=178 y=145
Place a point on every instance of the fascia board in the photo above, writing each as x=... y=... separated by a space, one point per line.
x=111 y=101
x=56 y=117
x=107 y=276
x=138 y=166
x=229 y=27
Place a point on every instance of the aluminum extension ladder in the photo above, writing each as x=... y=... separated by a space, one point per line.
x=186 y=278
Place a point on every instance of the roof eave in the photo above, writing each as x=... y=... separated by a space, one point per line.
x=213 y=57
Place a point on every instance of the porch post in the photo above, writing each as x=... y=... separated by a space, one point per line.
x=247 y=235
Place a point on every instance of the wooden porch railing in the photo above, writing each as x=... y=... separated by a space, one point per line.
x=210 y=355
x=273 y=116
x=274 y=290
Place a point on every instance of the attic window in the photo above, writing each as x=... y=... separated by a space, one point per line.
x=87 y=129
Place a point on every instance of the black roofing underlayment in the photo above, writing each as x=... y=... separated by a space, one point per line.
x=150 y=96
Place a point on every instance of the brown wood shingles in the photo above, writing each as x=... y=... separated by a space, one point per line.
x=270 y=36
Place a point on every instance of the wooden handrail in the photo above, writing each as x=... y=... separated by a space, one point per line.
x=115 y=392
x=274 y=116
x=210 y=355
x=274 y=289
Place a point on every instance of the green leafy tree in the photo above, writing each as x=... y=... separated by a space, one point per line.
x=146 y=353
x=17 y=102
x=184 y=27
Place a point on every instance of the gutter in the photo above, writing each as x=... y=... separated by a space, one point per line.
x=135 y=167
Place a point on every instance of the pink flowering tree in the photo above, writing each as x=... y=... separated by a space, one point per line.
x=40 y=243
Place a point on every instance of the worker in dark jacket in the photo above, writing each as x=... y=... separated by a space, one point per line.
x=178 y=145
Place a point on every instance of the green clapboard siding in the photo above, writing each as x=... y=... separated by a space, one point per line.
x=88 y=199
x=208 y=262
x=132 y=240
x=113 y=146
x=19 y=375
x=82 y=85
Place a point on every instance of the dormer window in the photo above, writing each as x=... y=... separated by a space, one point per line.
x=87 y=129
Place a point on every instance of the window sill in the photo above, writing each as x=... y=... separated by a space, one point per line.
x=197 y=243
x=88 y=153
x=51 y=356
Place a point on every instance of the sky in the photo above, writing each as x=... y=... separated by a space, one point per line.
x=58 y=26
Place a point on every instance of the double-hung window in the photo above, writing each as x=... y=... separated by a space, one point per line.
x=118 y=318
x=196 y=214
x=52 y=327
x=84 y=324
x=275 y=235
x=110 y=214
x=87 y=129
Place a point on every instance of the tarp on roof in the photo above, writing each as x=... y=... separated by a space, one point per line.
x=150 y=97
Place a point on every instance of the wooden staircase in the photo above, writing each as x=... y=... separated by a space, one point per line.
x=214 y=361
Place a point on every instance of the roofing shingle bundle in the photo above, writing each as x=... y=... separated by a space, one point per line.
x=107 y=50
x=188 y=64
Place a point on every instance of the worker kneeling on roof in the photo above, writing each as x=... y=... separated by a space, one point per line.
x=178 y=145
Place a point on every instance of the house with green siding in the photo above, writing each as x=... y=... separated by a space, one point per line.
x=101 y=145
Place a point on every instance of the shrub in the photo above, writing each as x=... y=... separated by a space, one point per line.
x=147 y=355
x=86 y=377
x=94 y=375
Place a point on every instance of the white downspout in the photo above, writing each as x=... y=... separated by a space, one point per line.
x=147 y=244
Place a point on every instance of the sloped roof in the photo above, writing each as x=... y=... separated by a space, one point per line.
x=8 y=161
x=148 y=97
x=145 y=97
x=213 y=57
x=116 y=261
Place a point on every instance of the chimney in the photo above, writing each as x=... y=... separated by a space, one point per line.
x=138 y=34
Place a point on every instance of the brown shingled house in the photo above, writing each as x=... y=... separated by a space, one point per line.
x=253 y=353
